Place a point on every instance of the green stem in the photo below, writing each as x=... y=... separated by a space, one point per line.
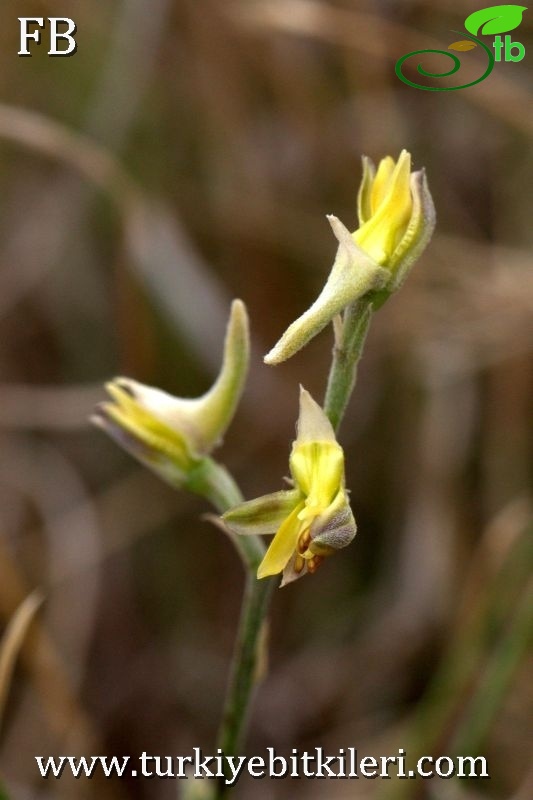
x=245 y=669
x=349 y=343
x=213 y=481
x=216 y=484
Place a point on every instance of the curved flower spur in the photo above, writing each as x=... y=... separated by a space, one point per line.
x=313 y=519
x=396 y=221
x=172 y=435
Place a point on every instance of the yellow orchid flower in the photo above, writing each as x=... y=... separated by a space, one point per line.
x=396 y=221
x=311 y=520
x=172 y=435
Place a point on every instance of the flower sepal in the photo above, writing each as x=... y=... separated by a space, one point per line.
x=263 y=515
x=354 y=274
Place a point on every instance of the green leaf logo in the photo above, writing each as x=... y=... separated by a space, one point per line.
x=495 y=19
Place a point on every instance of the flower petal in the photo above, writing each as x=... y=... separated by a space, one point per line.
x=318 y=470
x=380 y=234
x=282 y=545
x=160 y=453
x=381 y=183
x=129 y=414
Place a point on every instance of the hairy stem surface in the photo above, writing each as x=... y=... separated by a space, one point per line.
x=349 y=343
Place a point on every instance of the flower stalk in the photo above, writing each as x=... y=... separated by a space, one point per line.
x=350 y=337
x=245 y=667
x=218 y=487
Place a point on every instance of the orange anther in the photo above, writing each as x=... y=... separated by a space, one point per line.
x=299 y=563
x=304 y=540
x=314 y=563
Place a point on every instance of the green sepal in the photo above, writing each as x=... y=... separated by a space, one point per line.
x=263 y=515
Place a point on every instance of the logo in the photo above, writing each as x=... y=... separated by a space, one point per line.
x=486 y=21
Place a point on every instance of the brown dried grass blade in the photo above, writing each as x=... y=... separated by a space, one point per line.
x=12 y=642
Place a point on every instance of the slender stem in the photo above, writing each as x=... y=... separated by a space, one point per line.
x=245 y=669
x=216 y=484
x=213 y=481
x=349 y=343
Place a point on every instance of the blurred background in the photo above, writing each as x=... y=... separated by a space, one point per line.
x=188 y=154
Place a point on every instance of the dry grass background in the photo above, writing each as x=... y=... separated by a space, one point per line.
x=187 y=154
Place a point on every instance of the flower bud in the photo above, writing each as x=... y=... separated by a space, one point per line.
x=396 y=215
x=397 y=218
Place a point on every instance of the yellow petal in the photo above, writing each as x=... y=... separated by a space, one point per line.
x=317 y=468
x=380 y=235
x=143 y=426
x=282 y=545
x=381 y=183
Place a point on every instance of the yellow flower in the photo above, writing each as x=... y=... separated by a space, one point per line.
x=385 y=207
x=396 y=221
x=172 y=435
x=311 y=520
